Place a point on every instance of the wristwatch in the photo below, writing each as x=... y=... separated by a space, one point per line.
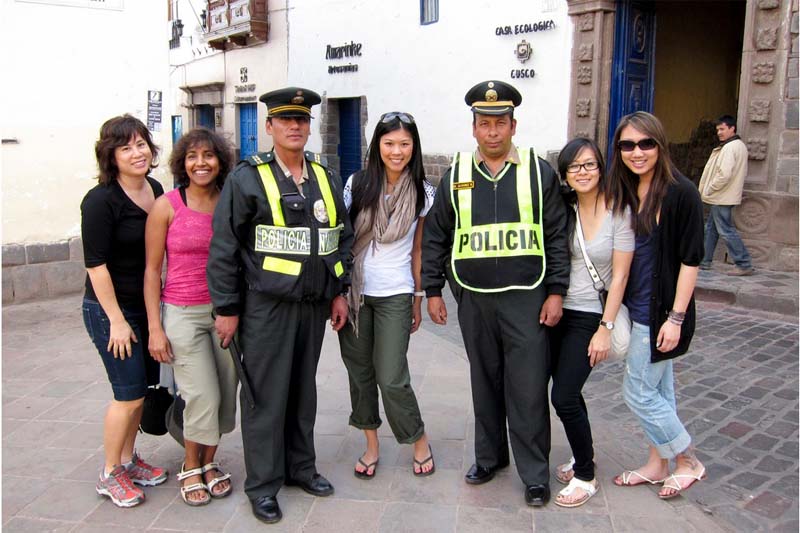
x=608 y=325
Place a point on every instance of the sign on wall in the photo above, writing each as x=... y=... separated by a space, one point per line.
x=523 y=49
x=116 y=5
x=154 y=110
x=347 y=50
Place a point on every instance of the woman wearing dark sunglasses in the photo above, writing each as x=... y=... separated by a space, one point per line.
x=668 y=223
x=388 y=202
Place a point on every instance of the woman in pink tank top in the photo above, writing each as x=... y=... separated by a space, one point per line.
x=181 y=327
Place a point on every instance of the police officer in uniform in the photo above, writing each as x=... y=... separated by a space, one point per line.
x=276 y=272
x=497 y=233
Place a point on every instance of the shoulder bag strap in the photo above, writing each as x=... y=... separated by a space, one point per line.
x=599 y=286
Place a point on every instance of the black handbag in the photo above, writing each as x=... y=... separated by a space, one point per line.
x=156 y=402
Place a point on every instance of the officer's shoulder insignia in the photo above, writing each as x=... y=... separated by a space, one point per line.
x=459 y=185
x=316 y=158
x=260 y=158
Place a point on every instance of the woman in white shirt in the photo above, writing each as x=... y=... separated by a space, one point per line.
x=387 y=202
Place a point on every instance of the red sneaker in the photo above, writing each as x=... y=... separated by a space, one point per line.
x=144 y=474
x=119 y=488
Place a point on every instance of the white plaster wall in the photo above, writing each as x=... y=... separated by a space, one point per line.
x=67 y=70
x=426 y=70
x=266 y=65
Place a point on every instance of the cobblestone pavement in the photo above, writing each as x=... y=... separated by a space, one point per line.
x=737 y=390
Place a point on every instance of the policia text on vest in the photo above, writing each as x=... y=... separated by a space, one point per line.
x=498 y=240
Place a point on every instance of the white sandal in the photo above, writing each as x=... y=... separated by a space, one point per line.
x=563 y=470
x=671 y=482
x=219 y=479
x=627 y=476
x=185 y=490
x=588 y=488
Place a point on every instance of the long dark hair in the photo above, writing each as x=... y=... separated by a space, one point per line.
x=367 y=185
x=623 y=184
x=197 y=137
x=116 y=132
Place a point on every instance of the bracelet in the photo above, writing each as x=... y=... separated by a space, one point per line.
x=419 y=293
x=676 y=317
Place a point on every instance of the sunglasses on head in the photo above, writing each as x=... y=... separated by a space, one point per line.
x=644 y=145
x=406 y=118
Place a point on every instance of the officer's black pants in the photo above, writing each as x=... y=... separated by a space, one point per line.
x=281 y=343
x=509 y=371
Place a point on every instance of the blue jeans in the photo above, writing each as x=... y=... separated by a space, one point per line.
x=649 y=392
x=131 y=376
x=720 y=222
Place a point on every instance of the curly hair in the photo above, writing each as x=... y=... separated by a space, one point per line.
x=198 y=137
x=116 y=132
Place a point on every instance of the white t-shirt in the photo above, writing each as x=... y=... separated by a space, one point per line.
x=387 y=267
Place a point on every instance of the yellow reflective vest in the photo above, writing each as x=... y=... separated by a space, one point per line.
x=498 y=243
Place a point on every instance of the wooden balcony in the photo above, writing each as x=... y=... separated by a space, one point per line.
x=233 y=23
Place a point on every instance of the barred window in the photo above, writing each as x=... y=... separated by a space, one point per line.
x=428 y=11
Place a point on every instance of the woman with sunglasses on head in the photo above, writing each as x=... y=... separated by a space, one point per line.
x=113 y=216
x=582 y=338
x=181 y=325
x=668 y=222
x=387 y=202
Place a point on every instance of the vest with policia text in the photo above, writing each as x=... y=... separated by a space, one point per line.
x=498 y=243
x=295 y=239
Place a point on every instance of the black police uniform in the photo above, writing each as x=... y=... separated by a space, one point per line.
x=282 y=317
x=506 y=346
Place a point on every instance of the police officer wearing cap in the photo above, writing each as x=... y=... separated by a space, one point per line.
x=276 y=271
x=497 y=233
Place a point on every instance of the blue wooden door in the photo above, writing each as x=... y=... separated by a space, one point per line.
x=632 y=70
x=349 y=149
x=205 y=116
x=248 y=130
x=177 y=128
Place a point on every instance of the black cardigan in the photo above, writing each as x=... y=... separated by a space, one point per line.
x=678 y=240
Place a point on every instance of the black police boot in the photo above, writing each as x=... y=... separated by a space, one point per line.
x=266 y=509
x=316 y=486
x=478 y=474
x=537 y=495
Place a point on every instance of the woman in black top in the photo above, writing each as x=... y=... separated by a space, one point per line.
x=668 y=223
x=113 y=216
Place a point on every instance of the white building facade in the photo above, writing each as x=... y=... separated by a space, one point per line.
x=86 y=62
x=367 y=58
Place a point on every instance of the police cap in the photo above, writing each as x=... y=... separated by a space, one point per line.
x=493 y=97
x=290 y=102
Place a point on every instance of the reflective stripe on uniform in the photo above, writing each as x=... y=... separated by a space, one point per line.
x=284 y=240
x=327 y=195
x=339 y=269
x=273 y=194
x=282 y=266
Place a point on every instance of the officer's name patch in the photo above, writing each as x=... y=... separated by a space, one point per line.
x=499 y=240
x=459 y=185
x=283 y=240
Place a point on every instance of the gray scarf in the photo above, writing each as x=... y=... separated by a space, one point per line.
x=388 y=223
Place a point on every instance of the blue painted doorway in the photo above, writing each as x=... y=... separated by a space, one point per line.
x=248 y=130
x=177 y=128
x=632 y=68
x=349 y=149
x=205 y=116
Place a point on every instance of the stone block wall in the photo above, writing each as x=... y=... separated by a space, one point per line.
x=42 y=270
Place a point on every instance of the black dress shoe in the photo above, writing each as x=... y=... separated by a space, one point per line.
x=316 y=486
x=266 y=509
x=537 y=495
x=478 y=474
